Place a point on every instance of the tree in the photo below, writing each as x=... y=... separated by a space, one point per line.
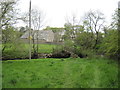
x=94 y=22
x=86 y=37
x=37 y=22
x=109 y=45
x=68 y=31
x=70 y=27
x=12 y=43
x=7 y=37
x=84 y=40
x=7 y=18
x=110 y=42
x=115 y=18
x=7 y=12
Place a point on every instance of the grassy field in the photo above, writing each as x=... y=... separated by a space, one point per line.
x=22 y=51
x=43 y=48
x=46 y=48
x=60 y=73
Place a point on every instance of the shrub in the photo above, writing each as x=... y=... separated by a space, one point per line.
x=15 y=51
x=59 y=52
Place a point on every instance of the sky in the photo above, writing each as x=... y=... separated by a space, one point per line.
x=56 y=11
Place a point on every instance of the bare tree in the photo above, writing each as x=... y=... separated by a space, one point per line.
x=94 y=22
x=70 y=25
x=37 y=22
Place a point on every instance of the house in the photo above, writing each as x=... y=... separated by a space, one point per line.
x=43 y=36
x=59 y=36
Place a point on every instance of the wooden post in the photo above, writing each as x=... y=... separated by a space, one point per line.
x=30 y=31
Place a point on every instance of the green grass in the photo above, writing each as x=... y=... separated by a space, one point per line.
x=43 y=48
x=22 y=51
x=46 y=48
x=60 y=73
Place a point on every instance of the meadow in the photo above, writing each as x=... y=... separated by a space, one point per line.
x=60 y=73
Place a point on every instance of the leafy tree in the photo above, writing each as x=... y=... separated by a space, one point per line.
x=68 y=31
x=7 y=19
x=10 y=36
x=12 y=43
x=109 y=45
x=84 y=40
x=8 y=12
x=71 y=33
x=115 y=18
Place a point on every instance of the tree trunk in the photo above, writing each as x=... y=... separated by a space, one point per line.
x=96 y=41
x=37 y=43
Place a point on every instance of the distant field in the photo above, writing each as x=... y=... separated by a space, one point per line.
x=60 y=73
x=43 y=48
x=46 y=48
x=22 y=51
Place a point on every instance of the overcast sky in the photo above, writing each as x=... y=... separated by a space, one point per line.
x=57 y=10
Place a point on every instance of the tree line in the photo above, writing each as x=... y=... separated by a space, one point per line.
x=89 y=38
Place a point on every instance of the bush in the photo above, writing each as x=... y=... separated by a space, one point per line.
x=59 y=52
x=13 y=47
x=15 y=51
x=70 y=48
x=85 y=53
